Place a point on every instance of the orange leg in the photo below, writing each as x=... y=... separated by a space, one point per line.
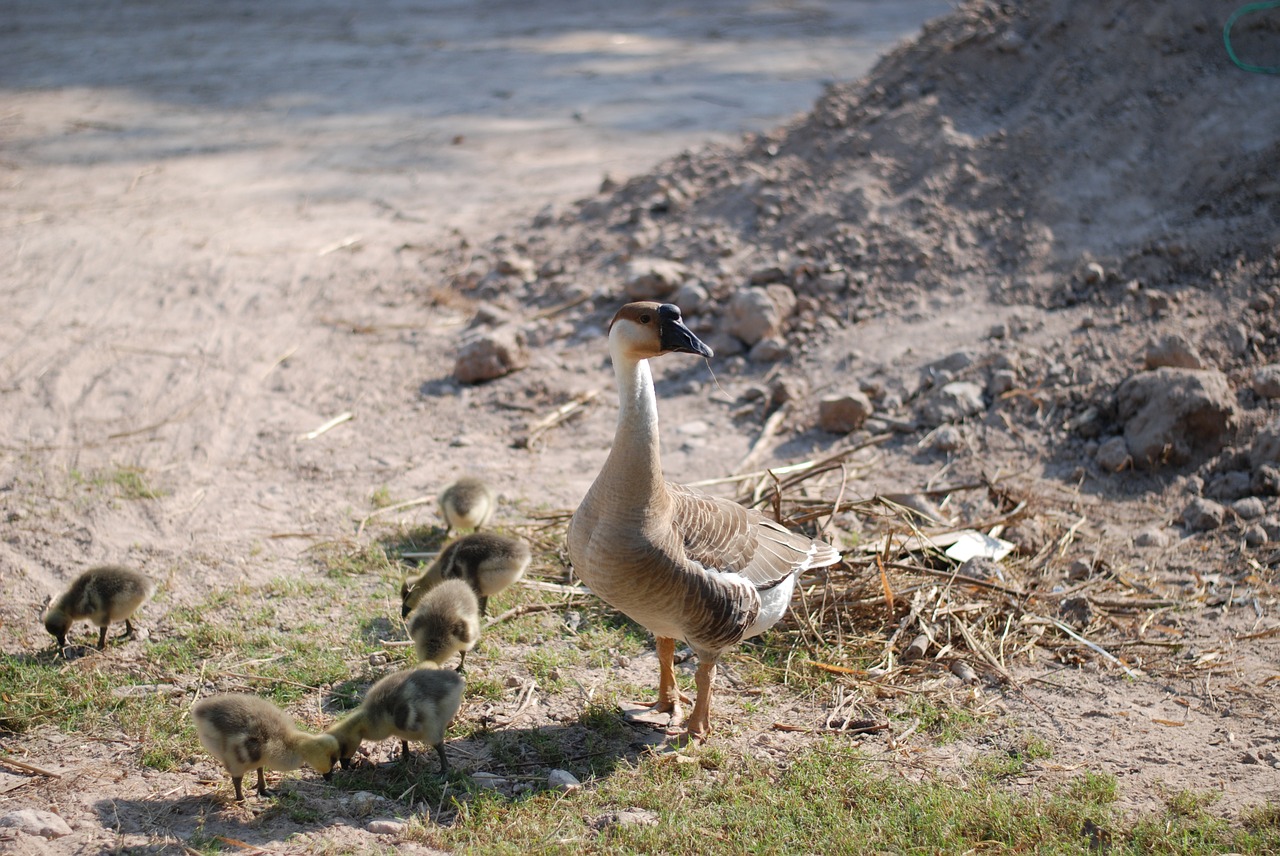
x=699 y=724
x=669 y=695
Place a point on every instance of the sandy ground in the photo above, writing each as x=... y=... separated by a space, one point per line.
x=221 y=229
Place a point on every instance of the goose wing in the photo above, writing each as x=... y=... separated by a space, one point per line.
x=725 y=537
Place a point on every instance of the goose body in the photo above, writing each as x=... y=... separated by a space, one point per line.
x=101 y=595
x=413 y=704
x=445 y=622
x=487 y=562
x=683 y=564
x=468 y=503
x=246 y=733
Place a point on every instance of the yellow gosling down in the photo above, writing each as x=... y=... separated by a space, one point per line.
x=682 y=563
x=101 y=595
x=246 y=733
x=468 y=503
x=446 y=622
x=413 y=704
x=488 y=563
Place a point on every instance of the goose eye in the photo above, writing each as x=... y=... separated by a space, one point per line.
x=645 y=319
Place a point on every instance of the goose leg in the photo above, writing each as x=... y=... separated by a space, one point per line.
x=669 y=695
x=128 y=630
x=699 y=724
x=102 y=637
x=262 y=785
x=236 y=780
x=444 y=762
x=484 y=604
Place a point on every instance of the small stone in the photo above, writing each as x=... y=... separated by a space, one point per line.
x=519 y=267
x=1266 y=381
x=1001 y=382
x=651 y=278
x=840 y=414
x=378 y=659
x=980 y=568
x=755 y=313
x=1094 y=273
x=362 y=803
x=1152 y=538
x=1255 y=535
x=562 y=780
x=1077 y=610
x=44 y=824
x=1172 y=351
x=1228 y=486
x=1113 y=455
x=489 y=781
x=1249 y=508
x=1202 y=515
x=1080 y=569
x=491 y=355
x=947 y=438
x=1265 y=449
x=952 y=403
x=1272 y=525
x=383 y=826
x=768 y=350
x=1265 y=481
x=691 y=297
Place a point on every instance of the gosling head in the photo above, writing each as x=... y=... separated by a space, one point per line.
x=322 y=753
x=649 y=329
x=57 y=623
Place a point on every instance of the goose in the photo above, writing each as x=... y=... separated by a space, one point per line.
x=446 y=622
x=489 y=563
x=684 y=564
x=468 y=503
x=102 y=595
x=246 y=732
x=412 y=704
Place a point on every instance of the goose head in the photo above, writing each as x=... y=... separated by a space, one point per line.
x=649 y=329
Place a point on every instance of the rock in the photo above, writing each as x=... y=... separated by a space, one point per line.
x=651 y=278
x=1228 y=486
x=1266 y=381
x=383 y=826
x=768 y=350
x=756 y=313
x=562 y=780
x=1027 y=536
x=518 y=266
x=362 y=803
x=1272 y=525
x=1265 y=449
x=491 y=355
x=691 y=297
x=981 y=568
x=626 y=817
x=1080 y=569
x=1113 y=455
x=1152 y=538
x=1201 y=515
x=44 y=824
x=1172 y=351
x=1255 y=535
x=840 y=414
x=952 y=403
x=489 y=781
x=1172 y=416
x=1248 y=508
x=947 y=438
x=1077 y=610
x=1001 y=382
x=1265 y=481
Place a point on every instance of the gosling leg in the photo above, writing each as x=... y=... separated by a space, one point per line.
x=128 y=630
x=102 y=637
x=236 y=780
x=444 y=762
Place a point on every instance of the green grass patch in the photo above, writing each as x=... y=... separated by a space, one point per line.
x=125 y=482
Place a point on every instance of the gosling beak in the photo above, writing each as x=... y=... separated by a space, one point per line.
x=328 y=777
x=404 y=610
x=346 y=765
x=675 y=336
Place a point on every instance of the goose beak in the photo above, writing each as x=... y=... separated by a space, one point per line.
x=675 y=336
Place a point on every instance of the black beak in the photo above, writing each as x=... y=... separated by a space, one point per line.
x=404 y=610
x=346 y=763
x=328 y=777
x=674 y=336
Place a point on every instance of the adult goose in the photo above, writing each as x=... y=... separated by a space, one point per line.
x=684 y=564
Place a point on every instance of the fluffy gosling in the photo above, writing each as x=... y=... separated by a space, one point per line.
x=446 y=622
x=102 y=595
x=245 y=732
x=488 y=563
x=413 y=704
x=468 y=503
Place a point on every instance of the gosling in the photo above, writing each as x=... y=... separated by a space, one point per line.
x=413 y=704
x=245 y=732
x=446 y=622
x=489 y=563
x=468 y=503
x=102 y=595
